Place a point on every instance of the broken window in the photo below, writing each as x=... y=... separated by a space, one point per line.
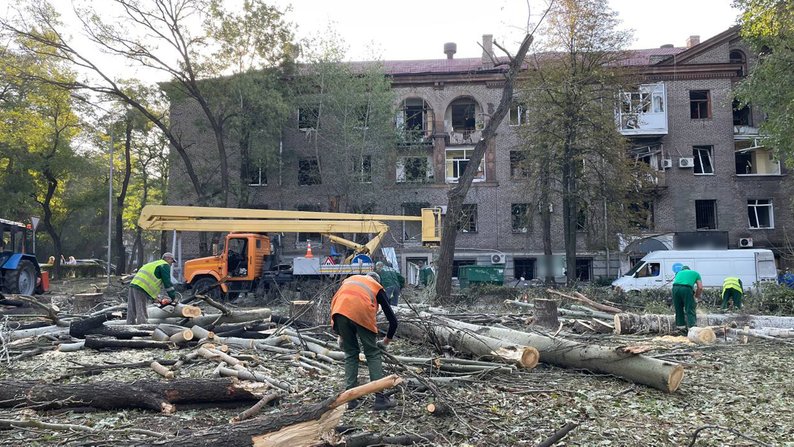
x=703 y=159
x=519 y=217
x=309 y=171
x=699 y=104
x=456 y=161
x=415 y=120
x=524 y=268
x=464 y=116
x=518 y=165
x=754 y=159
x=468 y=218
x=584 y=269
x=760 y=214
x=308 y=117
x=581 y=218
x=364 y=169
x=412 y=231
x=741 y=114
x=414 y=170
x=706 y=214
x=518 y=114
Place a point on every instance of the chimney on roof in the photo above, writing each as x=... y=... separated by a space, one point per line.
x=450 y=48
x=487 y=50
x=692 y=41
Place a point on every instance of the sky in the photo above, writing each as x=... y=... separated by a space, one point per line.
x=414 y=29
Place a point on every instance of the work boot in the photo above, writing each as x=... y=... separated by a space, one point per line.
x=382 y=402
x=353 y=404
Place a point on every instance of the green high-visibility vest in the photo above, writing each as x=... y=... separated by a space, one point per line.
x=731 y=283
x=146 y=280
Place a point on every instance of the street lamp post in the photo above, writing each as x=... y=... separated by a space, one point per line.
x=110 y=203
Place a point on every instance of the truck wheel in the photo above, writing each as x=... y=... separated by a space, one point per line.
x=23 y=279
x=204 y=286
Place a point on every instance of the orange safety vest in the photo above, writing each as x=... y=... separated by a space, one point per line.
x=357 y=300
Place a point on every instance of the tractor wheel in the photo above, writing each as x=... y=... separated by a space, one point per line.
x=22 y=280
x=206 y=286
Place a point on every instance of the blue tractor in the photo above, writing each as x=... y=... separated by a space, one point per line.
x=19 y=270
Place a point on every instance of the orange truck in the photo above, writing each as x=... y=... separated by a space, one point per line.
x=250 y=257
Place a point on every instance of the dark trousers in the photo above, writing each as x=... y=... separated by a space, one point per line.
x=351 y=334
x=732 y=294
x=684 y=305
x=393 y=293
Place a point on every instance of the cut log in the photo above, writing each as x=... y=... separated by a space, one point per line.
x=627 y=323
x=182 y=337
x=701 y=335
x=146 y=394
x=304 y=426
x=641 y=369
x=485 y=346
x=84 y=302
x=238 y=316
x=302 y=310
x=602 y=327
x=79 y=328
x=95 y=342
x=162 y=370
x=438 y=409
x=546 y=313
x=35 y=332
x=159 y=335
x=178 y=311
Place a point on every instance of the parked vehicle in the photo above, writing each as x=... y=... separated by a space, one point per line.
x=657 y=269
x=19 y=269
x=251 y=259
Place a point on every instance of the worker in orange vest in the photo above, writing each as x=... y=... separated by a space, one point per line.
x=354 y=308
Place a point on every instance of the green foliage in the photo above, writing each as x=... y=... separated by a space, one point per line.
x=773 y=299
x=574 y=151
x=768 y=25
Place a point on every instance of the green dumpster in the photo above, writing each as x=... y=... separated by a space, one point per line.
x=470 y=275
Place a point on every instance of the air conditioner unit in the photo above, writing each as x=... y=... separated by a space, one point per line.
x=686 y=162
x=745 y=242
x=497 y=258
x=667 y=163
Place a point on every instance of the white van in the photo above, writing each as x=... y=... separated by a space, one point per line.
x=657 y=269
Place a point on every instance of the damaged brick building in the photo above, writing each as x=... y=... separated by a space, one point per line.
x=713 y=179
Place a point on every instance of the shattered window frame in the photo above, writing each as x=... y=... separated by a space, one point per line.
x=760 y=214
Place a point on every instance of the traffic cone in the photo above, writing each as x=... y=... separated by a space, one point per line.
x=309 y=250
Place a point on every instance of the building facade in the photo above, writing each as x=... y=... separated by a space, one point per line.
x=713 y=179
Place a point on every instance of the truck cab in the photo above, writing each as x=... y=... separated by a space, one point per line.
x=238 y=268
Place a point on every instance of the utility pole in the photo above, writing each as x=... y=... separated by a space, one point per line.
x=110 y=203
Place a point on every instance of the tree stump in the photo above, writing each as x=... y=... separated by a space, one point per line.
x=546 y=313
x=84 y=302
x=302 y=310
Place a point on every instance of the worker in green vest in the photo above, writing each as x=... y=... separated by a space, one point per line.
x=732 y=289
x=687 y=286
x=146 y=286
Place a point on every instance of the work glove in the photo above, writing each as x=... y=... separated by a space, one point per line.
x=165 y=301
x=383 y=344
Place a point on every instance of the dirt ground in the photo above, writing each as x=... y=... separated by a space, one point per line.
x=732 y=394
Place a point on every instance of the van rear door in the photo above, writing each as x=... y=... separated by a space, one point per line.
x=765 y=267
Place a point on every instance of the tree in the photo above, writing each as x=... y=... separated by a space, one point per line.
x=457 y=194
x=40 y=169
x=350 y=111
x=768 y=26
x=573 y=147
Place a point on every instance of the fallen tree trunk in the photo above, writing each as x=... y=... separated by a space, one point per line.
x=210 y=320
x=627 y=323
x=485 y=346
x=95 y=342
x=659 y=374
x=145 y=394
x=177 y=311
x=301 y=427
